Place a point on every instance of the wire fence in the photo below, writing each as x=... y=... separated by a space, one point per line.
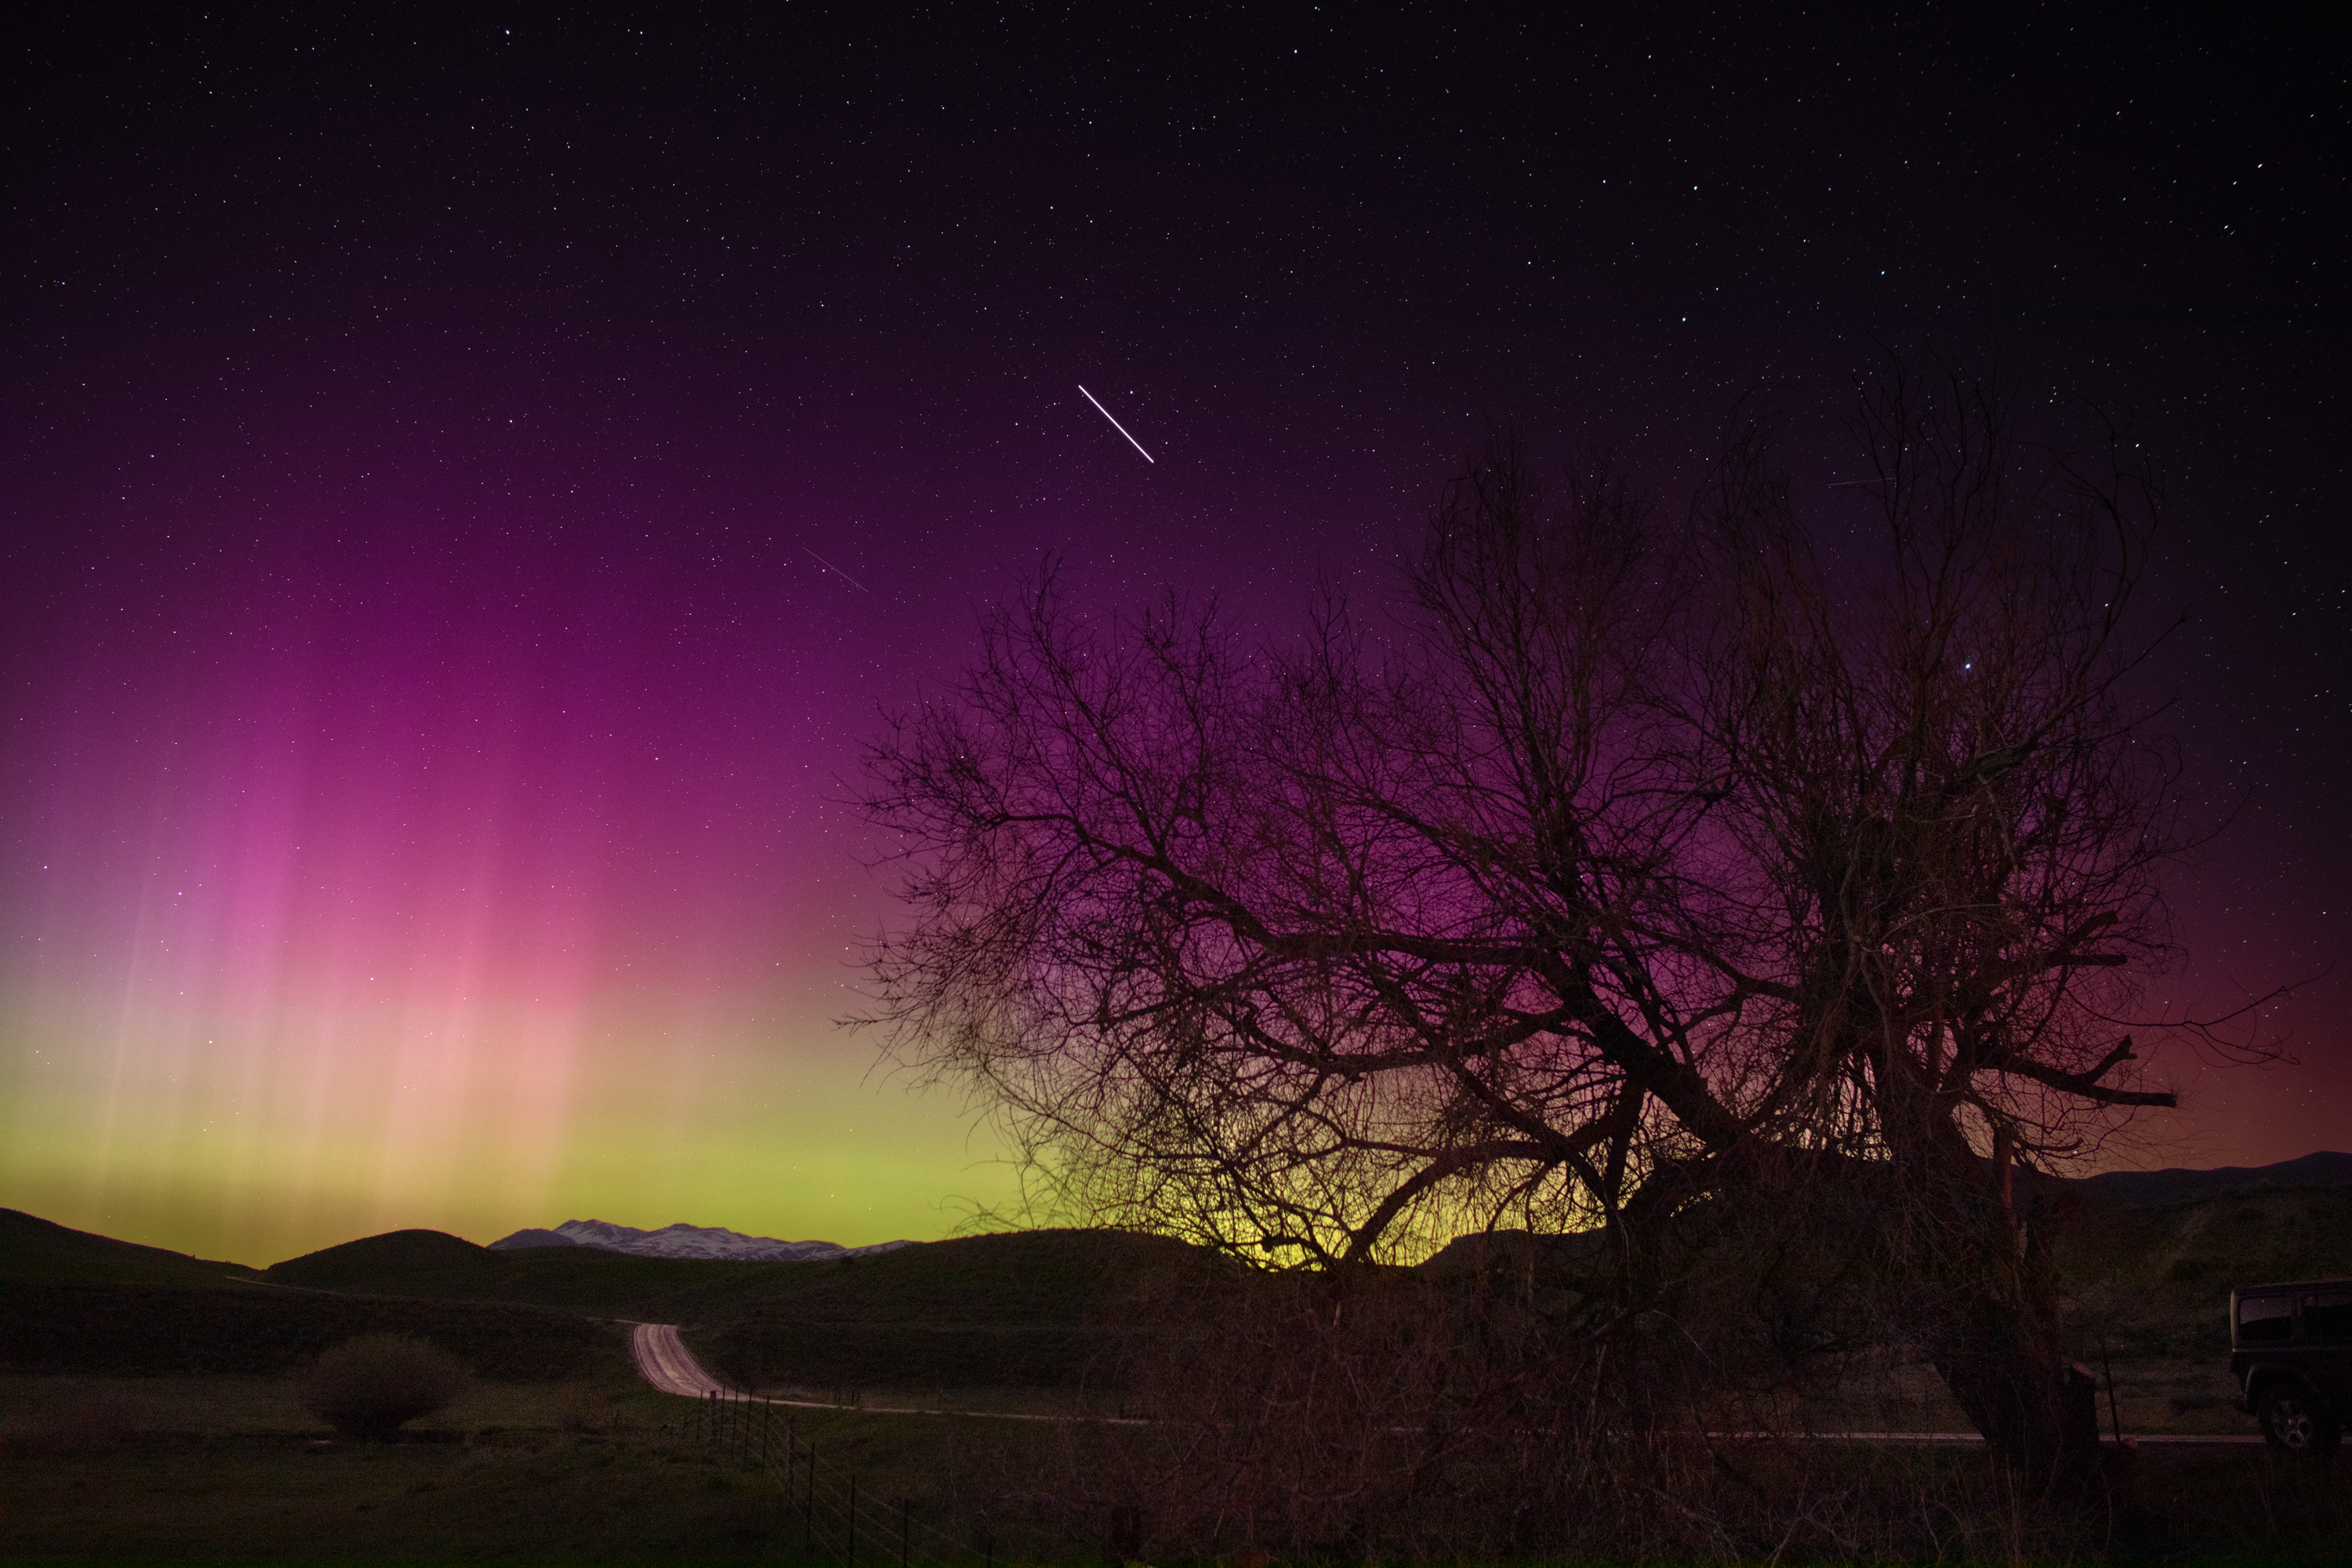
x=822 y=1506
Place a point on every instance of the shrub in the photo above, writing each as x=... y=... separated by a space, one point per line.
x=369 y=1386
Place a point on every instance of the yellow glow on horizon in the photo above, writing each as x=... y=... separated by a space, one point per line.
x=261 y=1135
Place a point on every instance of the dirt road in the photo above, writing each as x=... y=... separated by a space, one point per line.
x=665 y=1363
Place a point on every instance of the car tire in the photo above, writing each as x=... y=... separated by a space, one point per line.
x=2297 y=1423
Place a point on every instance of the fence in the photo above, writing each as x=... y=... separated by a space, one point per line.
x=835 y=1521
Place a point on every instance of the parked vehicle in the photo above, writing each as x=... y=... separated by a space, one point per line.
x=2290 y=1353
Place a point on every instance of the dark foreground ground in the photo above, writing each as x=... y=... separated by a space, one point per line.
x=594 y=1470
x=150 y=1411
x=514 y=1498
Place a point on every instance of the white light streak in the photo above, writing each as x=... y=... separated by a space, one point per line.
x=1115 y=423
x=844 y=575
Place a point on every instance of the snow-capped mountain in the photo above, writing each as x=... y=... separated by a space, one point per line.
x=685 y=1241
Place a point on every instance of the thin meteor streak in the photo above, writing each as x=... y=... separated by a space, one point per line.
x=1115 y=423
x=846 y=576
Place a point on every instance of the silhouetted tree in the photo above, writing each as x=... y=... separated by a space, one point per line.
x=1641 y=872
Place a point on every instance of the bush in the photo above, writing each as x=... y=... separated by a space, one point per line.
x=368 y=1387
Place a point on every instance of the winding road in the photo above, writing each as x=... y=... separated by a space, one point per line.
x=663 y=1362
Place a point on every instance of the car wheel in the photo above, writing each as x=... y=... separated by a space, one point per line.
x=2295 y=1421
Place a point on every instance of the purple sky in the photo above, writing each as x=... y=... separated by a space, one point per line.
x=426 y=697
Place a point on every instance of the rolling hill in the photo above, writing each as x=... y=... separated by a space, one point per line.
x=1019 y=1308
x=36 y=1250
x=2169 y=1188
x=1032 y=1308
x=74 y=1301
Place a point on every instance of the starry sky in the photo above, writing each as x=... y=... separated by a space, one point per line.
x=471 y=486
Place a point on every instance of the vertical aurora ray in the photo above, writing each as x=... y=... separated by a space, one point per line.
x=440 y=904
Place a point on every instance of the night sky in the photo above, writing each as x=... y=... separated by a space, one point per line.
x=471 y=489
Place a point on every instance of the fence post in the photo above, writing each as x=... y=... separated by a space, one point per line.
x=2108 y=1364
x=902 y=1532
x=808 y=1520
x=853 y=1519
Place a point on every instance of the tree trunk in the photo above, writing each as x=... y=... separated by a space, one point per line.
x=1999 y=1353
x=1972 y=1287
x=1991 y=1325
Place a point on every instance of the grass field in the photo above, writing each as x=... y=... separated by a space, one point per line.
x=592 y=1469
x=227 y=1468
x=520 y=1494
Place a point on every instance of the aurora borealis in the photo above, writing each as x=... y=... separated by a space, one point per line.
x=470 y=487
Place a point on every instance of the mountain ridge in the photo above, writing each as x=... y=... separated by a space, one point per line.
x=682 y=1240
x=2179 y=1184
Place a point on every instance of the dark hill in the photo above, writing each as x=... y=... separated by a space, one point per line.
x=2238 y=1239
x=1041 y=1309
x=1573 y=1253
x=250 y=1328
x=35 y=1250
x=1024 y=1308
x=430 y=1264
x=1015 y=1275
x=392 y=1256
x=2236 y=1225
x=2162 y=1189
x=73 y=1301
x=532 y=1237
